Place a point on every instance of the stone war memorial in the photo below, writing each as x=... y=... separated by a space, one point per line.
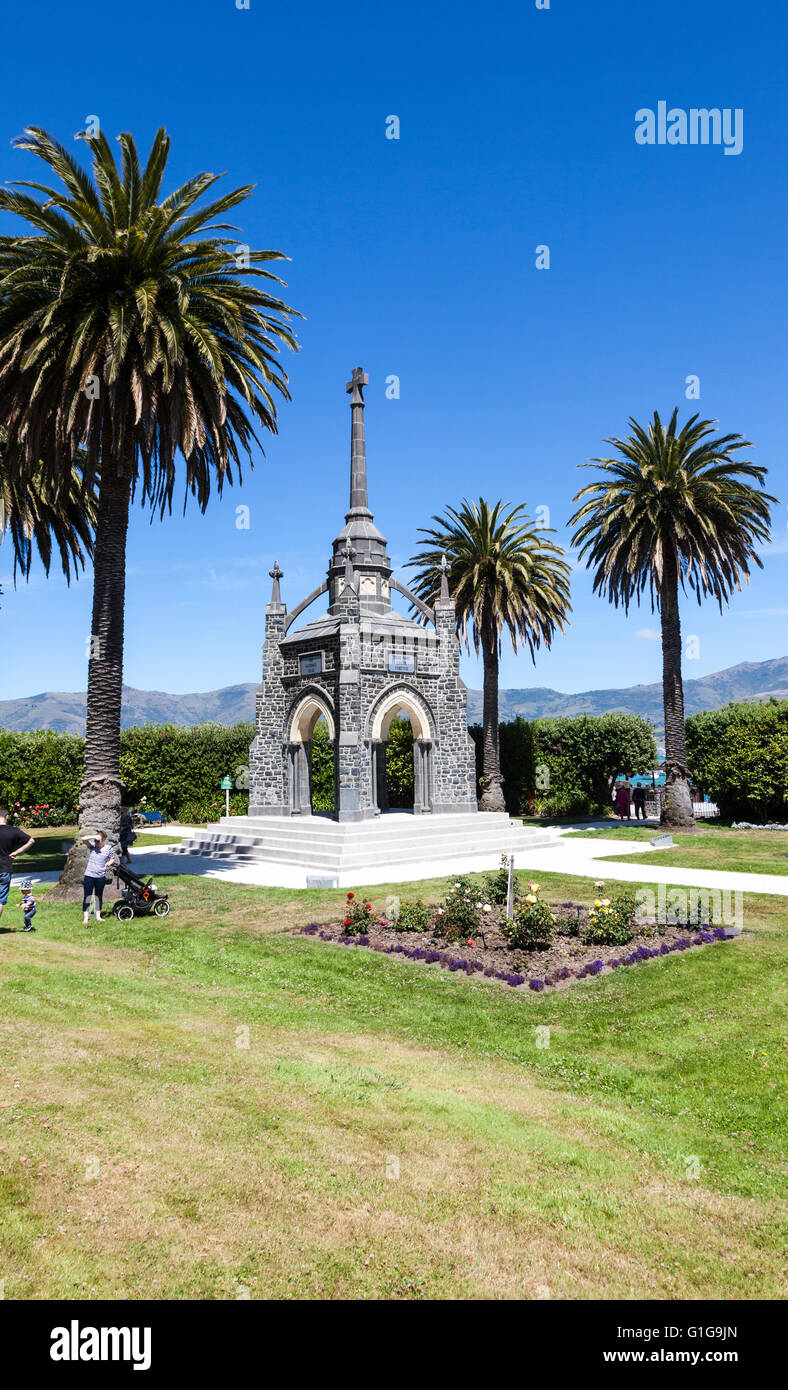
x=358 y=666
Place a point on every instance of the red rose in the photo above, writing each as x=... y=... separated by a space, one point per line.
x=368 y=906
x=350 y=895
x=346 y=922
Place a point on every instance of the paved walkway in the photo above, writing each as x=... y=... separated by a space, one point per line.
x=589 y=859
x=581 y=858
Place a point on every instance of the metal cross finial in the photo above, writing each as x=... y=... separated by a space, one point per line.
x=276 y=574
x=355 y=387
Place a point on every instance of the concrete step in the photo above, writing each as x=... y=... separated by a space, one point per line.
x=365 y=851
x=254 y=844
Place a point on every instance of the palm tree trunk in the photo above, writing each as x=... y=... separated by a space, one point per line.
x=100 y=790
x=492 y=798
x=677 y=802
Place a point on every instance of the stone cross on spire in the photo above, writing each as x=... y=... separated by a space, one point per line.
x=445 y=596
x=359 y=503
x=276 y=574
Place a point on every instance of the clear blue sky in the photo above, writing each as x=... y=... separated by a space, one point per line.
x=417 y=257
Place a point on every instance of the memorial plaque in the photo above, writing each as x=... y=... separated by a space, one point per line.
x=402 y=663
x=311 y=664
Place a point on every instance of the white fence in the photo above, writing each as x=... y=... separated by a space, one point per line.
x=702 y=810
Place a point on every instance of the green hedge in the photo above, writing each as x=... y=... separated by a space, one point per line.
x=518 y=762
x=171 y=766
x=179 y=770
x=567 y=766
x=41 y=767
x=739 y=756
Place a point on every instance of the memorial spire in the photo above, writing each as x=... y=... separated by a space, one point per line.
x=359 y=501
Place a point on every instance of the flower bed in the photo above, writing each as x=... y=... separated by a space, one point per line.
x=566 y=961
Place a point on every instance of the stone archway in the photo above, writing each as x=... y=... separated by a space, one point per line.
x=402 y=700
x=312 y=706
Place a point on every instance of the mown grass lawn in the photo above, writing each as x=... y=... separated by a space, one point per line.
x=390 y=1130
x=712 y=847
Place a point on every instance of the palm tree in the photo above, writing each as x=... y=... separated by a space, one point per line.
x=673 y=510
x=502 y=572
x=126 y=332
x=33 y=520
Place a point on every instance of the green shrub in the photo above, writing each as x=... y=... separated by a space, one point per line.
x=174 y=767
x=533 y=925
x=612 y=923
x=459 y=917
x=399 y=764
x=41 y=768
x=413 y=916
x=496 y=885
x=739 y=756
x=322 y=768
x=208 y=810
x=579 y=758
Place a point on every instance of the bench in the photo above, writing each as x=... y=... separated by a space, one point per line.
x=153 y=818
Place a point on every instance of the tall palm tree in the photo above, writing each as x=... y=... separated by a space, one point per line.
x=502 y=572
x=32 y=519
x=673 y=510
x=125 y=331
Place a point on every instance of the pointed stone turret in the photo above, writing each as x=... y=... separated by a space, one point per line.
x=371 y=567
x=359 y=502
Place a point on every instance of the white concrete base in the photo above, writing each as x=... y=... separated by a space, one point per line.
x=295 y=851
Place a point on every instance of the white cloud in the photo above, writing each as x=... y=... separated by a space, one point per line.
x=650 y=633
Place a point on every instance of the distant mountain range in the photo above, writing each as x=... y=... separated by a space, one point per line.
x=66 y=713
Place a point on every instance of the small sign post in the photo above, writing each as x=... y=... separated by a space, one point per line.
x=510 y=889
x=227 y=786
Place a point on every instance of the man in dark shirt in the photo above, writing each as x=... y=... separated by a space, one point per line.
x=12 y=843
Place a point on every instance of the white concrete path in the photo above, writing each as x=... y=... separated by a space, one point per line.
x=582 y=858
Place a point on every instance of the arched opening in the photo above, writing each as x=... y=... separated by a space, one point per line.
x=311 y=760
x=399 y=764
x=322 y=769
x=401 y=746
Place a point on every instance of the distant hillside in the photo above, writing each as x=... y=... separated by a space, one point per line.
x=65 y=713
x=750 y=680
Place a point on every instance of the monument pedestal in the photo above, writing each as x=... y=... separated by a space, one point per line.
x=394 y=848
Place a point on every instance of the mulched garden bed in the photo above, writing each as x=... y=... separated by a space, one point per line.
x=566 y=960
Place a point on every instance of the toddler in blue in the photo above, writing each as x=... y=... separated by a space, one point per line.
x=28 y=904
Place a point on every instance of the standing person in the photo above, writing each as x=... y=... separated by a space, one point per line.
x=623 y=794
x=28 y=904
x=127 y=836
x=639 y=798
x=95 y=873
x=12 y=843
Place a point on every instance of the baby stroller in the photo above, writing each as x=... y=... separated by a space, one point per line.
x=138 y=899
